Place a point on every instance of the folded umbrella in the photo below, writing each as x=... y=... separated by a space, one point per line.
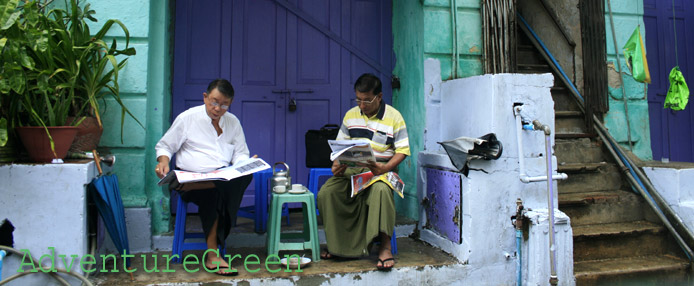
x=105 y=193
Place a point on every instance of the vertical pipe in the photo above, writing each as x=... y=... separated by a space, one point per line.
x=454 y=40
x=519 y=266
x=2 y=257
x=550 y=202
x=519 y=140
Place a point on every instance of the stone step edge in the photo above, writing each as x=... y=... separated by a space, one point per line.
x=676 y=264
x=585 y=198
x=616 y=229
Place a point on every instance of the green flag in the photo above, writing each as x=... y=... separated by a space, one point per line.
x=635 y=54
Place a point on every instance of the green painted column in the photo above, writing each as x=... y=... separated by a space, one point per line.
x=158 y=109
x=408 y=34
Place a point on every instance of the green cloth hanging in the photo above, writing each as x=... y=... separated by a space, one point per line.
x=678 y=93
x=635 y=54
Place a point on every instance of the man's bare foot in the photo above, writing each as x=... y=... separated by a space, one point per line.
x=217 y=263
x=325 y=254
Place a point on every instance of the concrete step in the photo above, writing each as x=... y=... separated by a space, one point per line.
x=533 y=68
x=579 y=150
x=528 y=55
x=646 y=270
x=563 y=100
x=622 y=239
x=602 y=207
x=580 y=167
x=572 y=113
x=606 y=177
x=570 y=125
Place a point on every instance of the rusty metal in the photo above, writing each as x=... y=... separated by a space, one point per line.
x=443 y=204
x=499 y=35
x=594 y=60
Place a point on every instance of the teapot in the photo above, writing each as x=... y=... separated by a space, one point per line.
x=280 y=177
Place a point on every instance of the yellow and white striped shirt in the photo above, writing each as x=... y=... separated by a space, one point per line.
x=386 y=131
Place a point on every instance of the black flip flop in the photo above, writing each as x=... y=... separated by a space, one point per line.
x=383 y=266
x=223 y=272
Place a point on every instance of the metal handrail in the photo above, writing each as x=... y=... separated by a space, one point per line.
x=634 y=175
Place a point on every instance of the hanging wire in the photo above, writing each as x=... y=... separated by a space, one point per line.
x=674 y=28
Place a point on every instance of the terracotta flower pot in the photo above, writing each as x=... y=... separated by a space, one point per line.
x=88 y=135
x=38 y=145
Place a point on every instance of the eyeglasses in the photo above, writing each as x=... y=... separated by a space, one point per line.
x=359 y=101
x=215 y=104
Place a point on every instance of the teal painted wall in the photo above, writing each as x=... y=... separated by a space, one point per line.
x=627 y=14
x=130 y=161
x=408 y=33
x=145 y=90
x=438 y=36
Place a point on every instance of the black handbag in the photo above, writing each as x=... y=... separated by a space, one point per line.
x=317 y=148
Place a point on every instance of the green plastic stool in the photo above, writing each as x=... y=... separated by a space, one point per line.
x=310 y=233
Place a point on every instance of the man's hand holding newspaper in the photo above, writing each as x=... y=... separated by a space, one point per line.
x=245 y=167
x=354 y=151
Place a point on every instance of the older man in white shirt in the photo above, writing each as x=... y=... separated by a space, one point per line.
x=205 y=138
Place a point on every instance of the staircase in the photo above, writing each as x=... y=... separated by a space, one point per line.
x=618 y=240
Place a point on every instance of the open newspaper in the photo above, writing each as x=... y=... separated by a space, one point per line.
x=356 y=151
x=245 y=167
x=364 y=180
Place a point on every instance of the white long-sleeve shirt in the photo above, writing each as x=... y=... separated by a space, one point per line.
x=195 y=142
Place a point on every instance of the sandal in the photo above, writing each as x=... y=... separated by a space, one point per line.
x=224 y=271
x=383 y=266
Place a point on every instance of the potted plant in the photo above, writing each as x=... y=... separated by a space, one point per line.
x=54 y=68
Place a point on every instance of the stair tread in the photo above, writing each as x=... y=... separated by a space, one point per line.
x=626 y=265
x=615 y=228
x=580 y=167
x=568 y=113
x=592 y=196
x=567 y=135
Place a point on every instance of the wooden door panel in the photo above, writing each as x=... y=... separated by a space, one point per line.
x=671 y=131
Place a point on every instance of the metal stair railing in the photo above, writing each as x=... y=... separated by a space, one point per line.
x=638 y=180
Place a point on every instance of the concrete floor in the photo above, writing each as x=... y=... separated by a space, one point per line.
x=413 y=256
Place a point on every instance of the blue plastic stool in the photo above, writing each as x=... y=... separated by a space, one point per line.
x=258 y=211
x=180 y=234
x=314 y=181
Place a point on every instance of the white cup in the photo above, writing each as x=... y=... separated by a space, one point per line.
x=297 y=187
x=279 y=189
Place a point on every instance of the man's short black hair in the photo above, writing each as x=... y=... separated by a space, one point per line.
x=368 y=83
x=223 y=86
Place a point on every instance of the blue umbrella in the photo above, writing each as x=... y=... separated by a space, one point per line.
x=105 y=193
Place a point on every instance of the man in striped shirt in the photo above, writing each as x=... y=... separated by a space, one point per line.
x=352 y=223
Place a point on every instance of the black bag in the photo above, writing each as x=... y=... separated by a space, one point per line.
x=317 y=148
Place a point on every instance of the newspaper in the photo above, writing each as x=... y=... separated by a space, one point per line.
x=245 y=167
x=364 y=180
x=357 y=151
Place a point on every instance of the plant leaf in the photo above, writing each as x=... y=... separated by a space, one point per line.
x=7 y=14
x=3 y=132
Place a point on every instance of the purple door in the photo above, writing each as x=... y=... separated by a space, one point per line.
x=279 y=55
x=671 y=131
